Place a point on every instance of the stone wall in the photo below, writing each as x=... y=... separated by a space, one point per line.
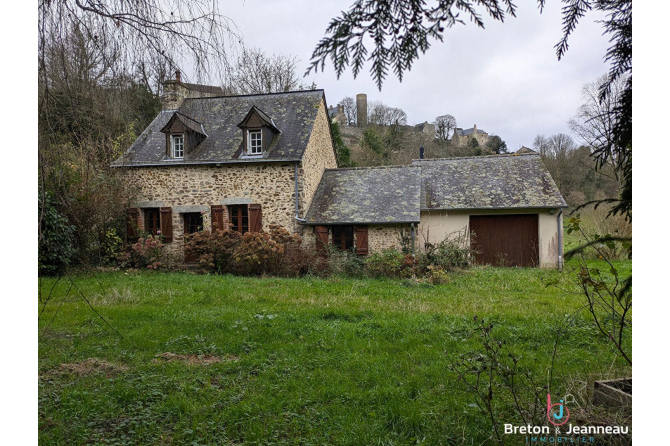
x=195 y=188
x=319 y=155
x=381 y=237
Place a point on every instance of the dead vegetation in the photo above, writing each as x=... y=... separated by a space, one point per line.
x=87 y=367
x=194 y=359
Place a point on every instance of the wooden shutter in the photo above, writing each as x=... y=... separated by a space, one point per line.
x=132 y=223
x=217 y=218
x=166 y=224
x=321 y=238
x=361 y=240
x=255 y=218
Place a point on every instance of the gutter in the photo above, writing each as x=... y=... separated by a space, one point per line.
x=560 y=239
x=208 y=162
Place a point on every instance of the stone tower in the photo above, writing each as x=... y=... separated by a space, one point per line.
x=362 y=109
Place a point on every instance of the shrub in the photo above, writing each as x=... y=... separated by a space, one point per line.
x=213 y=251
x=146 y=253
x=262 y=252
x=299 y=261
x=111 y=247
x=388 y=263
x=451 y=253
x=339 y=262
x=56 y=239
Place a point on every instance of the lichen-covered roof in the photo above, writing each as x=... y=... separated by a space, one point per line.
x=293 y=113
x=487 y=182
x=367 y=195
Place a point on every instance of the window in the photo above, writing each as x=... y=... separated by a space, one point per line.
x=152 y=221
x=343 y=237
x=177 y=142
x=239 y=218
x=192 y=222
x=255 y=142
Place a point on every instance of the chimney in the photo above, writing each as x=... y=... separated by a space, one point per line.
x=362 y=109
x=177 y=75
x=475 y=131
x=421 y=152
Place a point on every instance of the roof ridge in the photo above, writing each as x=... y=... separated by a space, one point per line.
x=257 y=94
x=396 y=166
x=506 y=155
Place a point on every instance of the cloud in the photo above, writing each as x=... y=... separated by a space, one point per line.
x=505 y=78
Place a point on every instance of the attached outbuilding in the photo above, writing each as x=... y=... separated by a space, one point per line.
x=508 y=206
x=366 y=208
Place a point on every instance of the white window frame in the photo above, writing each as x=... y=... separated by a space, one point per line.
x=254 y=143
x=174 y=141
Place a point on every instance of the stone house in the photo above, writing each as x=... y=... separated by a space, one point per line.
x=461 y=137
x=237 y=162
x=247 y=162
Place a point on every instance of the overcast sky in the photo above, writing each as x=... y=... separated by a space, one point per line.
x=505 y=78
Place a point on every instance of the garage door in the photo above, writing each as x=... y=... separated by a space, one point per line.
x=505 y=240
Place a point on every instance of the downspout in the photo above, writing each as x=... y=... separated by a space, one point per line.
x=560 y=239
x=412 y=235
x=297 y=204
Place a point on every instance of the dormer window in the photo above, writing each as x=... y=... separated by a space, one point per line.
x=259 y=132
x=177 y=144
x=183 y=135
x=255 y=139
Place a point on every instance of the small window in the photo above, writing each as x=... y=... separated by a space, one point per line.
x=255 y=142
x=239 y=218
x=192 y=223
x=177 y=142
x=152 y=221
x=343 y=237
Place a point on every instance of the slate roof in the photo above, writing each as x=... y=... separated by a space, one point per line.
x=466 y=132
x=293 y=114
x=188 y=123
x=487 y=182
x=366 y=196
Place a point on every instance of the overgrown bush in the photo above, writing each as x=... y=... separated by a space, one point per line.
x=337 y=262
x=389 y=263
x=450 y=254
x=56 y=239
x=254 y=253
x=213 y=251
x=111 y=247
x=146 y=253
x=299 y=261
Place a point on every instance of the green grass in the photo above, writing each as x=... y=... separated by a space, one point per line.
x=314 y=361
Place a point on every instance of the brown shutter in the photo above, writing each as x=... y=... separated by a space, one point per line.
x=255 y=218
x=166 y=224
x=321 y=238
x=361 y=240
x=217 y=218
x=132 y=223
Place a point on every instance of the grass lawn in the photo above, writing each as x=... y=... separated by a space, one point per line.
x=296 y=361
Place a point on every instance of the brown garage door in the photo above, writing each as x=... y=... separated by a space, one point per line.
x=505 y=240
